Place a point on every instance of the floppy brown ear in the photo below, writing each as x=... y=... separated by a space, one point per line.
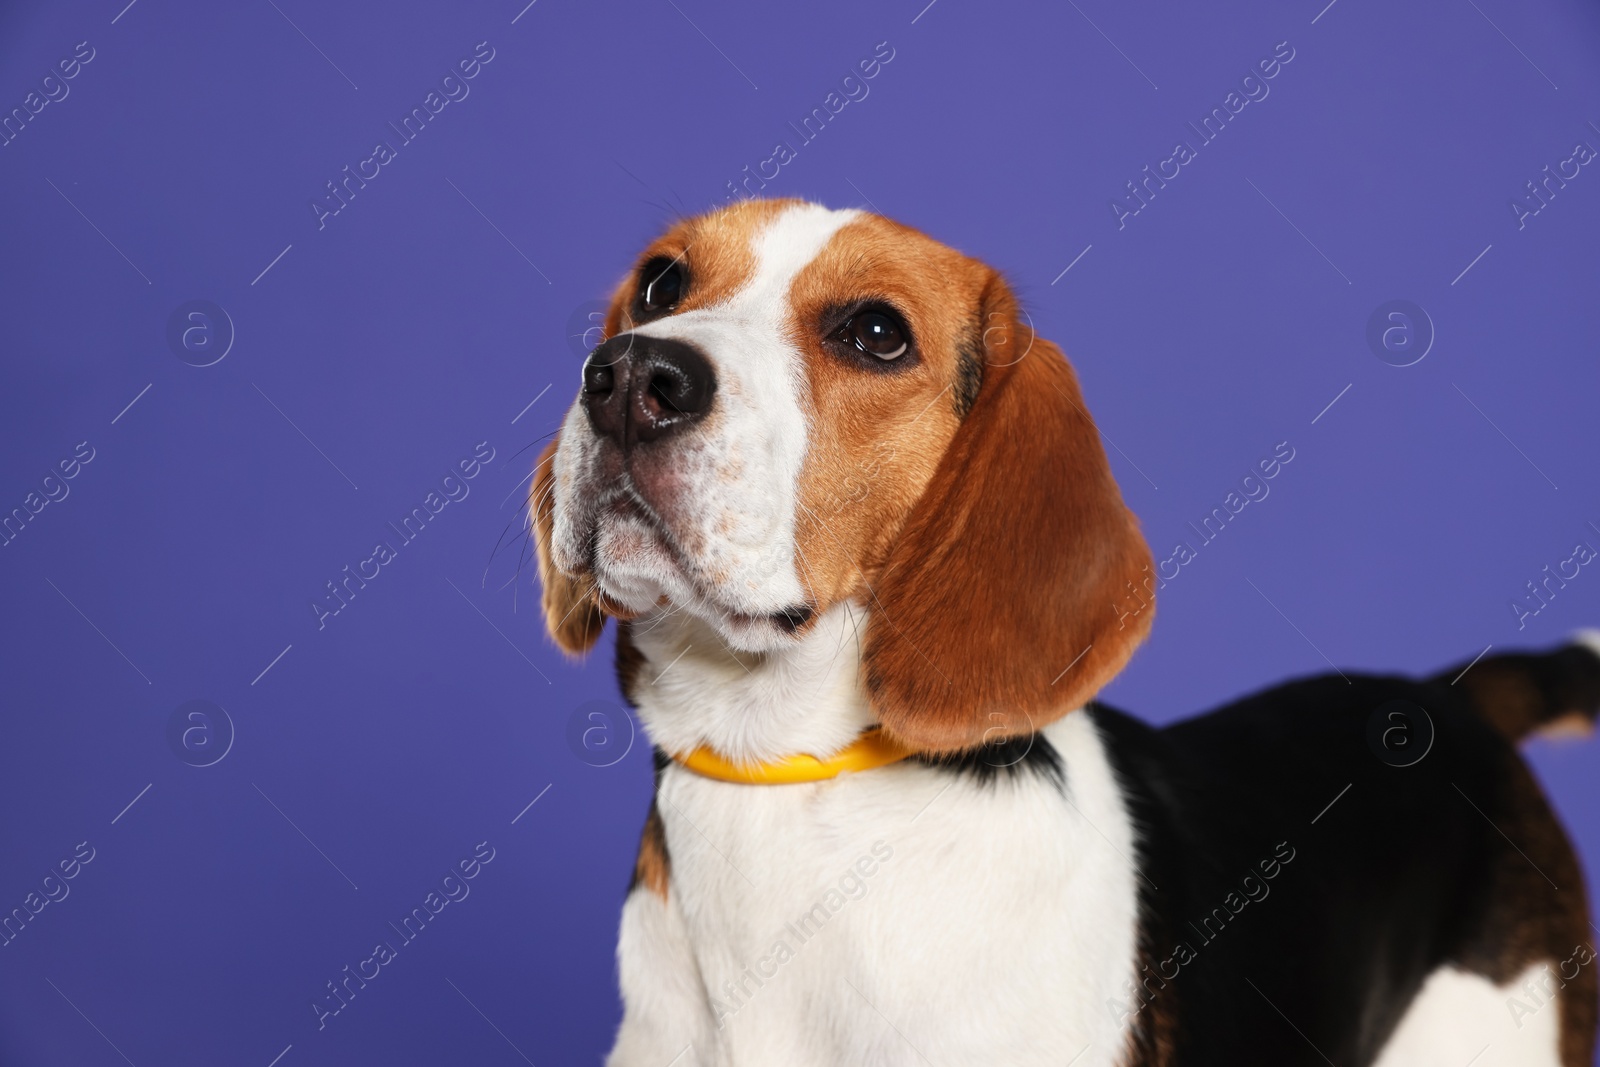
x=571 y=605
x=994 y=613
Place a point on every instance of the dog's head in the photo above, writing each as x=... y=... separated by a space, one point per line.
x=797 y=407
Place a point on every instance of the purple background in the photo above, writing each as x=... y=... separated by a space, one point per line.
x=430 y=712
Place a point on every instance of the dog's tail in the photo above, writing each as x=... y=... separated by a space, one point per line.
x=1549 y=694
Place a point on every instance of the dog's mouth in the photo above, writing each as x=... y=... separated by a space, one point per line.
x=625 y=504
x=640 y=564
x=793 y=620
x=625 y=534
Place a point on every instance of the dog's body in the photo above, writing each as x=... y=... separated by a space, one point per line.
x=805 y=547
x=1131 y=895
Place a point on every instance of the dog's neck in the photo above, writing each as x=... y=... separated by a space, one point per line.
x=691 y=689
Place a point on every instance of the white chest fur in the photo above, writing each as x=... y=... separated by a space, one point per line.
x=900 y=916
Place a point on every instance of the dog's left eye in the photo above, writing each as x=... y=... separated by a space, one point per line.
x=663 y=285
x=876 y=334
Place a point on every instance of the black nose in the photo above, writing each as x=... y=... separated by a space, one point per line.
x=644 y=388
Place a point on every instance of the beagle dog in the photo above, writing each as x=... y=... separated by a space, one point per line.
x=867 y=560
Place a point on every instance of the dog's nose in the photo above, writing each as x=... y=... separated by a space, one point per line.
x=644 y=388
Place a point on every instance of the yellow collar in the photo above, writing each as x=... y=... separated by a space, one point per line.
x=866 y=752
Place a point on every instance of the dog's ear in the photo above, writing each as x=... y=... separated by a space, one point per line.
x=571 y=605
x=997 y=610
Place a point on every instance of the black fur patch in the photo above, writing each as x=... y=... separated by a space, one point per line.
x=1004 y=760
x=969 y=376
x=1289 y=872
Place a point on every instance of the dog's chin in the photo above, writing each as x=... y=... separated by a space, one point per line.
x=633 y=565
x=754 y=633
x=639 y=572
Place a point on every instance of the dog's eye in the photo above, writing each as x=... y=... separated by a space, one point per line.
x=877 y=334
x=663 y=285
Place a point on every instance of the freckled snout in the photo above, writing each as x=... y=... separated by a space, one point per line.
x=640 y=389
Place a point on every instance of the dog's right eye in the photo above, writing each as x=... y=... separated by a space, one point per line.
x=662 y=285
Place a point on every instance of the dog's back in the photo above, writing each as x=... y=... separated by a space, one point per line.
x=1346 y=867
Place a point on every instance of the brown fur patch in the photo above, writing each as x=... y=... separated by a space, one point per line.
x=1553 y=695
x=630 y=661
x=1536 y=908
x=995 y=610
x=1153 y=1031
x=653 y=868
x=1573 y=726
x=715 y=250
x=571 y=606
x=875 y=437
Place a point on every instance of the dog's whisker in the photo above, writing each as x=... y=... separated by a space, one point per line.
x=541 y=439
x=495 y=551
